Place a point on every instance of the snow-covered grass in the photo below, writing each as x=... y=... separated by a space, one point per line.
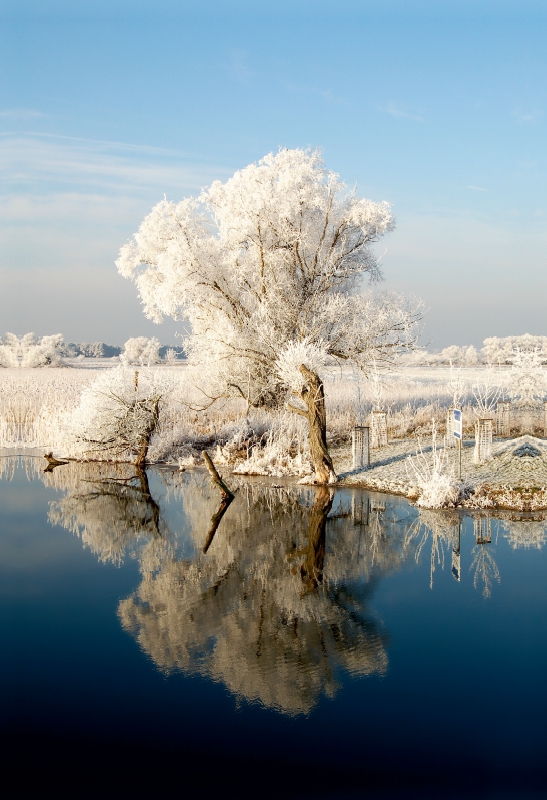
x=38 y=409
x=35 y=406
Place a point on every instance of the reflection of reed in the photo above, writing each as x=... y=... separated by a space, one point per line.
x=484 y=568
x=525 y=533
x=439 y=527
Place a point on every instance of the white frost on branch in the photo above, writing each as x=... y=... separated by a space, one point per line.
x=313 y=354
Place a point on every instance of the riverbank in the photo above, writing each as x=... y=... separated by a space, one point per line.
x=514 y=478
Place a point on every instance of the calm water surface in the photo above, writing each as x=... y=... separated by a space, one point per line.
x=314 y=644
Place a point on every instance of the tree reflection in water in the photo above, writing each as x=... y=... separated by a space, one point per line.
x=112 y=514
x=275 y=603
x=275 y=609
x=262 y=611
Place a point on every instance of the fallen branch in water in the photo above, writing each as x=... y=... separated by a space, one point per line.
x=52 y=462
x=217 y=480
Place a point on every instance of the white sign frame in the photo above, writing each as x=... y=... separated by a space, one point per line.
x=457 y=423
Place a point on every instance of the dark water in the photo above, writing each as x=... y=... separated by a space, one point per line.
x=331 y=646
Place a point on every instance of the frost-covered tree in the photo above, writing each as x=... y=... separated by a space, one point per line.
x=500 y=350
x=141 y=351
x=29 y=351
x=119 y=414
x=9 y=351
x=274 y=257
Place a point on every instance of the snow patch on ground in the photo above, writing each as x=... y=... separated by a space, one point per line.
x=514 y=478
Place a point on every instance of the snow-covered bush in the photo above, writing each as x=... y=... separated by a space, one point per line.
x=45 y=352
x=118 y=415
x=170 y=357
x=29 y=351
x=141 y=351
x=433 y=476
x=9 y=352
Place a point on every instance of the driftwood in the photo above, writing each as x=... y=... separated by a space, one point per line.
x=52 y=462
x=217 y=480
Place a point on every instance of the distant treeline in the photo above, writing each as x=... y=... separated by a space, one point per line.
x=495 y=350
x=103 y=350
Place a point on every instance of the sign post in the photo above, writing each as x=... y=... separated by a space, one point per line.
x=457 y=429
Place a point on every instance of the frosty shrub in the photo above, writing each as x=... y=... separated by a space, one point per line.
x=487 y=391
x=8 y=358
x=433 y=476
x=141 y=352
x=170 y=357
x=283 y=450
x=119 y=414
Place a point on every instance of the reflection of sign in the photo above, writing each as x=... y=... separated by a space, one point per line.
x=456 y=561
x=457 y=426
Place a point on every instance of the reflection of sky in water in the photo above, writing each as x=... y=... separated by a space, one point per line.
x=350 y=613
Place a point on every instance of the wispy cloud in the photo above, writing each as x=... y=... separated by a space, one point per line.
x=526 y=117
x=477 y=188
x=20 y=113
x=40 y=164
x=325 y=94
x=395 y=111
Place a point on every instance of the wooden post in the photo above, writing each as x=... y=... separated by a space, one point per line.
x=483 y=441
x=503 y=418
x=360 y=447
x=378 y=430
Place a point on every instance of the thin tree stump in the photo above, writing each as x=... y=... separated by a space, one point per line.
x=217 y=480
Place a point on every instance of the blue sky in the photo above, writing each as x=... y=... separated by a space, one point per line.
x=437 y=107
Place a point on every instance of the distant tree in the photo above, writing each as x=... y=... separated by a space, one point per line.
x=141 y=351
x=270 y=261
x=29 y=351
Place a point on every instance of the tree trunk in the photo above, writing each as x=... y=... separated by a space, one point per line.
x=147 y=434
x=313 y=395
